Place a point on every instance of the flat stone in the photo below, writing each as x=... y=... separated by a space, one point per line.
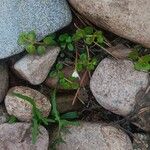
x=115 y=84
x=22 y=109
x=94 y=136
x=34 y=68
x=42 y=16
x=18 y=137
x=127 y=18
x=4 y=80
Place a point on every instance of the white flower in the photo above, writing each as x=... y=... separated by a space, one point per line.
x=75 y=74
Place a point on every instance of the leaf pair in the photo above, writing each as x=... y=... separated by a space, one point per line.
x=29 y=41
x=142 y=63
x=88 y=35
x=66 y=42
x=85 y=63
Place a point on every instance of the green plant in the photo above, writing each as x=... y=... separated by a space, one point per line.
x=55 y=117
x=28 y=40
x=61 y=120
x=66 y=42
x=12 y=119
x=85 y=63
x=37 y=117
x=141 y=63
x=66 y=83
x=89 y=35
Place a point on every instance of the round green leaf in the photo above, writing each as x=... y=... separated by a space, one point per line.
x=31 y=36
x=31 y=49
x=70 y=47
x=41 y=50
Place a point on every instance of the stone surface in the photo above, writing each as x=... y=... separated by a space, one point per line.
x=141 y=115
x=3 y=114
x=115 y=84
x=42 y=16
x=127 y=18
x=120 y=51
x=18 y=137
x=91 y=136
x=64 y=101
x=34 y=68
x=22 y=109
x=141 y=141
x=4 y=80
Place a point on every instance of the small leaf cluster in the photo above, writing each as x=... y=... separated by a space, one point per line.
x=86 y=63
x=141 y=63
x=66 y=42
x=28 y=40
x=65 y=82
x=89 y=35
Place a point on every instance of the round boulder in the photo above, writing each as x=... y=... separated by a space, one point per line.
x=115 y=85
x=18 y=137
x=21 y=108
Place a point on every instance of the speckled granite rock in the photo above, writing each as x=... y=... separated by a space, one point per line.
x=22 y=109
x=92 y=136
x=115 y=84
x=16 y=16
x=127 y=18
x=4 y=80
x=18 y=137
x=36 y=68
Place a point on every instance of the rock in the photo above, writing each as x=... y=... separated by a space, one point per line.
x=22 y=109
x=4 y=80
x=34 y=68
x=128 y=18
x=115 y=84
x=3 y=115
x=16 y=16
x=18 y=137
x=120 y=51
x=141 y=141
x=141 y=115
x=91 y=136
x=64 y=102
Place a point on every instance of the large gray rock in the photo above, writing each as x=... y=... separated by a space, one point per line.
x=115 y=85
x=34 y=68
x=42 y=16
x=92 y=136
x=18 y=137
x=127 y=18
x=4 y=80
x=22 y=109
